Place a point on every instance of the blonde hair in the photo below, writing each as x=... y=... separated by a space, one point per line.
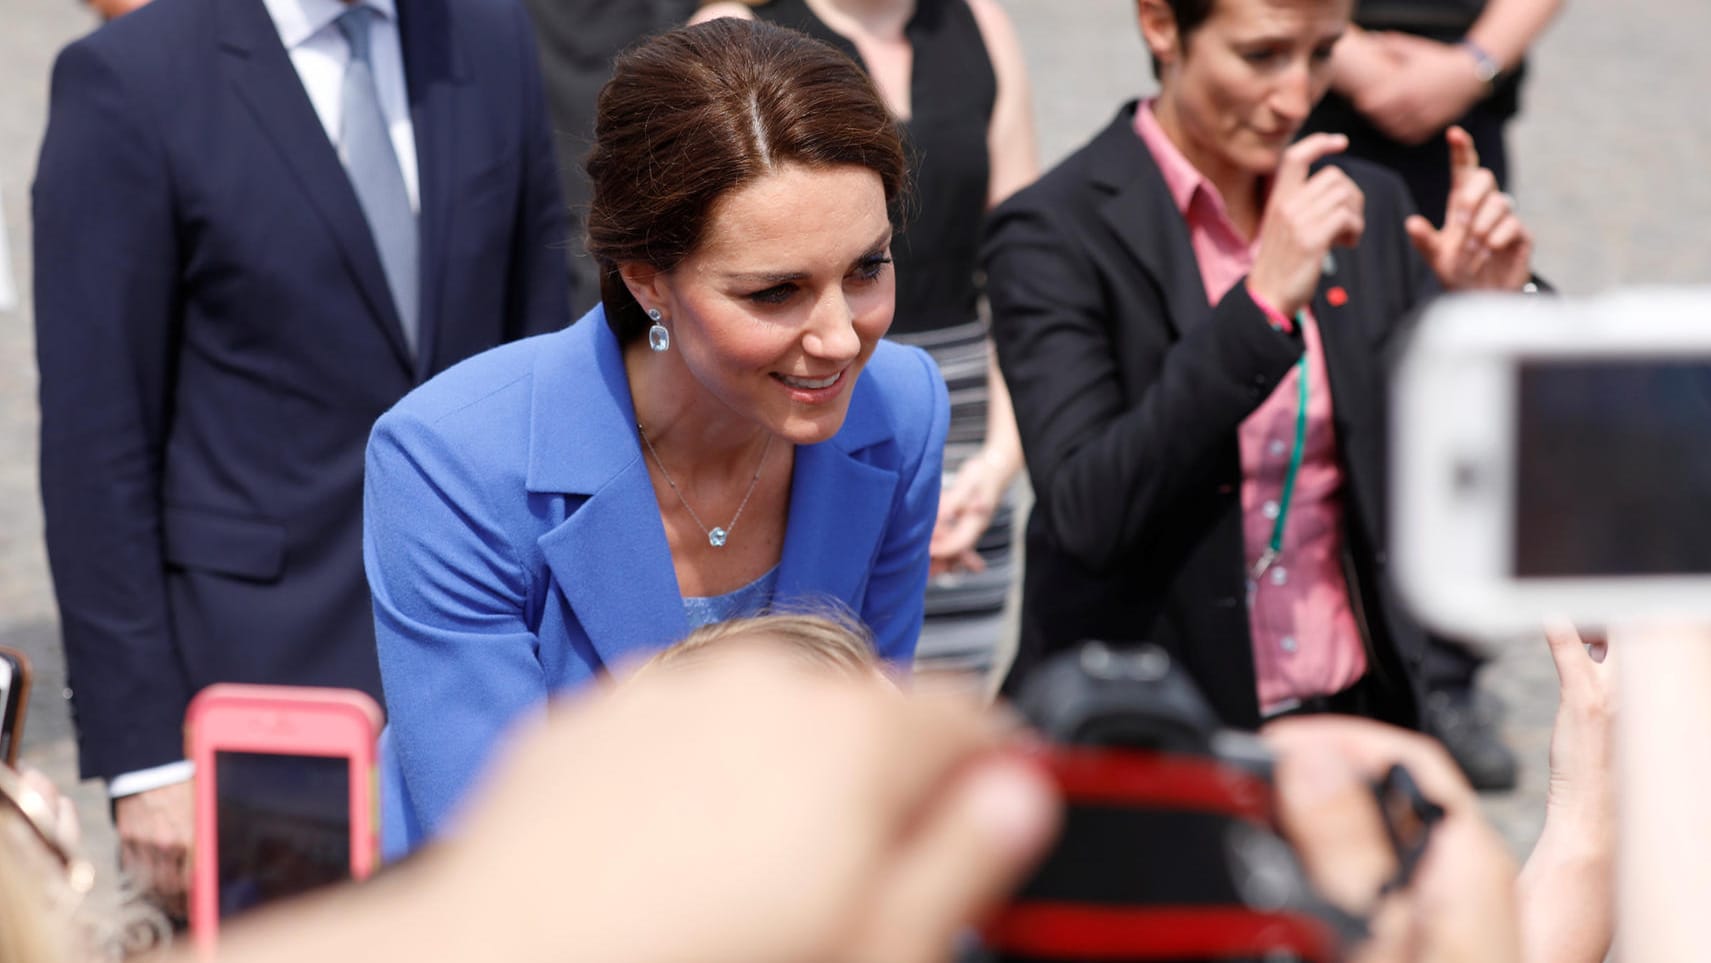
x=828 y=639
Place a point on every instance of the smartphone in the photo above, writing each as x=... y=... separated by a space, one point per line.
x=14 y=701
x=284 y=796
x=1552 y=459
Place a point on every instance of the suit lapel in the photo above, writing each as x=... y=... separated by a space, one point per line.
x=436 y=81
x=1141 y=214
x=1347 y=361
x=838 y=509
x=269 y=86
x=609 y=556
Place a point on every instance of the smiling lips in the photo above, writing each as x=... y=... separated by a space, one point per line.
x=812 y=389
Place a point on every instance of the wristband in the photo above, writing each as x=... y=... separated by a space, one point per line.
x=1485 y=66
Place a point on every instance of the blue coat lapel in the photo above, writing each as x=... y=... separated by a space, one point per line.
x=839 y=505
x=610 y=557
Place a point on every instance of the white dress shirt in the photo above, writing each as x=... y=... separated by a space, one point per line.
x=319 y=53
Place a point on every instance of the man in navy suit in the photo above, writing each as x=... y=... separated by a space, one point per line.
x=258 y=224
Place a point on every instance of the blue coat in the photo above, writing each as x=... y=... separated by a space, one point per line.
x=216 y=339
x=514 y=544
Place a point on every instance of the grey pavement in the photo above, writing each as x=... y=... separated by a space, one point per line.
x=1610 y=169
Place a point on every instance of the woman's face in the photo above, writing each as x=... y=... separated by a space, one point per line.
x=1234 y=93
x=781 y=305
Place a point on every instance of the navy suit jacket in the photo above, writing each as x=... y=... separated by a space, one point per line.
x=216 y=339
x=515 y=548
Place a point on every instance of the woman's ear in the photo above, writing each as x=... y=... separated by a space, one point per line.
x=648 y=285
x=1158 y=29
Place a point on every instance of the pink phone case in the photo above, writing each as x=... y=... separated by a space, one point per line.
x=287 y=720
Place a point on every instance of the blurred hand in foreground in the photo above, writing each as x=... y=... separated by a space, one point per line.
x=744 y=810
x=1460 y=906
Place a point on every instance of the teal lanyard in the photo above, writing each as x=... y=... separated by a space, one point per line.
x=1274 y=548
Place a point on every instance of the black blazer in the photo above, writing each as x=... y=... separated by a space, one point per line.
x=1129 y=390
x=216 y=339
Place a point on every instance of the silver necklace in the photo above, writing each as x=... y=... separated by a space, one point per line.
x=716 y=536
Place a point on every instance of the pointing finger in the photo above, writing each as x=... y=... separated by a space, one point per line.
x=1464 y=157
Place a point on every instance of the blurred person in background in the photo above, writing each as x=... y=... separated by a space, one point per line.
x=578 y=40
x=1407 y=70
x=1192 y=313
x=952 y=73
x=1402 y=74
x=727 y=433
x=258 y=223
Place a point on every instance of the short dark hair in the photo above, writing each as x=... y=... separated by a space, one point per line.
x=701 y=111
x=1189 y=14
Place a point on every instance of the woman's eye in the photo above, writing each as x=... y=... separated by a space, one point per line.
x=1259 y=58
x=1323 y=54
x=870 y=268
x=777 y=294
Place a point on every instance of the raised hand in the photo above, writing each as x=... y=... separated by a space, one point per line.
x=1483 y=245
x=1304 y=217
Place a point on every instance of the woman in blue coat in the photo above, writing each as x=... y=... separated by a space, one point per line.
x=724 y=434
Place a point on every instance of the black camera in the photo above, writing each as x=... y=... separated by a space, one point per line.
x=1169 y=849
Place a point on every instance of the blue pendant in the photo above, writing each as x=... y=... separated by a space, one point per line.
x=716 y=538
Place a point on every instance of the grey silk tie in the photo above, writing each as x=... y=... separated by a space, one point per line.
x=366 y=149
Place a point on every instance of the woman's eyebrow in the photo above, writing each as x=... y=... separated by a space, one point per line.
x=788 y=277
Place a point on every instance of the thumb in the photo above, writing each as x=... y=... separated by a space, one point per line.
x=1424 y=235
x=964 y=857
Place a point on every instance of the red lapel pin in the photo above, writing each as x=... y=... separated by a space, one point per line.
x=1336 y=297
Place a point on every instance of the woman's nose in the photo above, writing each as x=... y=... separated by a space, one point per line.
x=1294 y=97
x=831 y=331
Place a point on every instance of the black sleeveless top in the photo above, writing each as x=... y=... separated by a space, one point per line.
x=952 y=89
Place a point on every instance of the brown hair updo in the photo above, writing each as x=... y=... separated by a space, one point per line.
x=701 y=111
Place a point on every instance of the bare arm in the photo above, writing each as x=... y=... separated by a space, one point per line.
x=1412 y=87
x=966 y=510
x=1565 y=892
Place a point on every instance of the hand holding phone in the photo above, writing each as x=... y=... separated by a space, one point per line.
x=284 y=795
x=14 y=701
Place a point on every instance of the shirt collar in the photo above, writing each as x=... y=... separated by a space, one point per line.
x=299 y=20
x=1181 y=178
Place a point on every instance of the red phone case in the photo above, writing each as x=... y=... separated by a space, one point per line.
x=285 y=720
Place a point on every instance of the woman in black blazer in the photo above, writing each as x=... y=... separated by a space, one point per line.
x=1134 y=364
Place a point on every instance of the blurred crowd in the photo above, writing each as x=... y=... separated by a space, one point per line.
x=472 y=353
